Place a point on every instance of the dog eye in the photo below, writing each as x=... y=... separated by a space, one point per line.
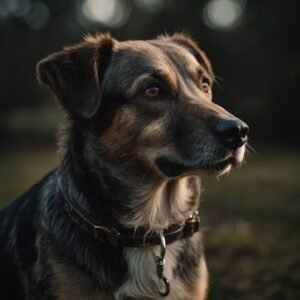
x=205 y=85
x=152 y=91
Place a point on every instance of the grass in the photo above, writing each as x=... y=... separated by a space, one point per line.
x=251 y=220
x=20 y=169
x=252 y=238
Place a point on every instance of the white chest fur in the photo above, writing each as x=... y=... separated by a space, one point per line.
x=142 y=281
x=158 y=208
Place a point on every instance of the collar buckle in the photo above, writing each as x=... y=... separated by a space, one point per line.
x=192 y=224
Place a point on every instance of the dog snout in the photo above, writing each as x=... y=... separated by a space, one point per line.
x=232 y=133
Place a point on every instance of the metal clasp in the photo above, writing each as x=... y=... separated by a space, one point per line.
x=160 y=265
x=192 y=225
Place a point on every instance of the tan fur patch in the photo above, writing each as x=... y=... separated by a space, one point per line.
x=153 y=132
x=201 y=290
x=119 y=136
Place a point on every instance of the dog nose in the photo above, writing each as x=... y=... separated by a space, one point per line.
x=232 y=133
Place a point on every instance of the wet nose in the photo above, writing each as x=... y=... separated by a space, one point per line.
x=232 y=133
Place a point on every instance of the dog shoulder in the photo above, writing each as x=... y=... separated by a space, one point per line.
x=19 y=228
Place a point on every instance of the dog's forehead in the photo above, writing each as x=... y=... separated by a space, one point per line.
x=155 y=54
x=177 y=54
x=134 y=58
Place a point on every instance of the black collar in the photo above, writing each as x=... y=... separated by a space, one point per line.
x=125 y=237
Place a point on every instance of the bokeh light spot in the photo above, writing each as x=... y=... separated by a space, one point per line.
x=38 y=16
x=223 y=14
x=112 y=13
x=151 y=6
x=14 y=8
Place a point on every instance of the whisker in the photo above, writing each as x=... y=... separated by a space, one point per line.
x=250 y=148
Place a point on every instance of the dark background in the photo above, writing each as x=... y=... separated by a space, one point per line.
x=252 y=216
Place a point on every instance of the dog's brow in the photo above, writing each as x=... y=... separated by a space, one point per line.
x=163 y=76
x=158 y=75
x=201 y=71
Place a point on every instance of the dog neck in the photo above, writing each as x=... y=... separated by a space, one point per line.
x=158 y=204
x=110 y=191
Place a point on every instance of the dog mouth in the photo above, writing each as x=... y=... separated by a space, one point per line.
x=171 y=168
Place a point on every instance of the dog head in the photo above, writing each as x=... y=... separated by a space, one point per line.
x=146 y=105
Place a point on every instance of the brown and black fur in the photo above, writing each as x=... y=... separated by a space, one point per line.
x=126 y=158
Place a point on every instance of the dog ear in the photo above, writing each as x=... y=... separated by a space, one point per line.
x=186 y=41
x=75 y=74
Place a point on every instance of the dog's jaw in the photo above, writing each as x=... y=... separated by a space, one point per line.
x=170 y=165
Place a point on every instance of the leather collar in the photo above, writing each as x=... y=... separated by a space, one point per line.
x=128 y=237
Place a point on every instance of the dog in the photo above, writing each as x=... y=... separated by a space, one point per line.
x=118 y=218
